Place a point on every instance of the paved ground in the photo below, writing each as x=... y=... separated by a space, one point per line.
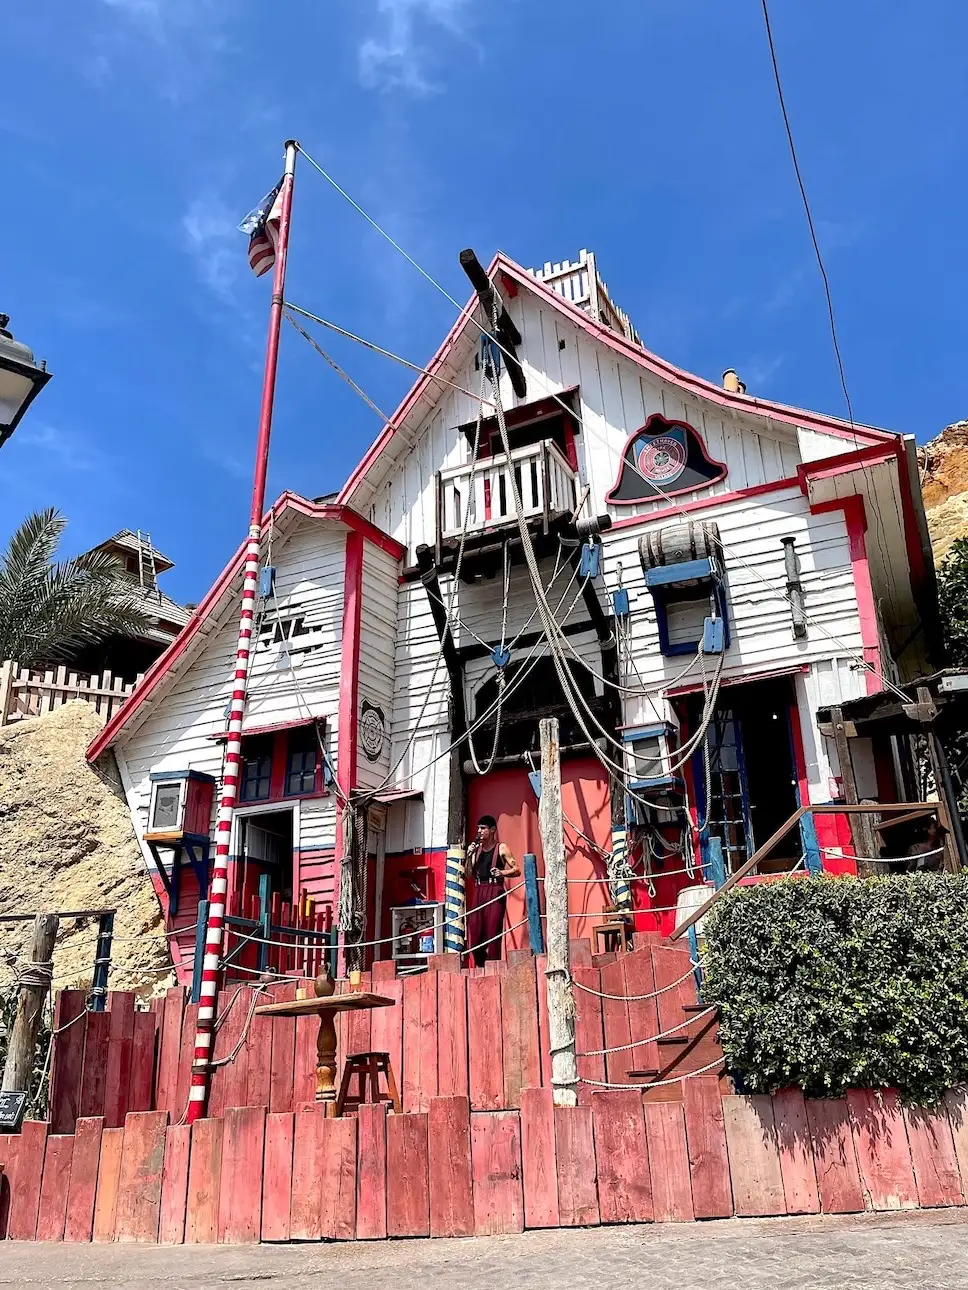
x=912 y=1251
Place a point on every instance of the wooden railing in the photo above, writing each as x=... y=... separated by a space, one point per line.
x=30 y=691
x=905 y=811
x=480 y=494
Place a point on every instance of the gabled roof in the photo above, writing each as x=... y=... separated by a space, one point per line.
x=506 y=273
x=180 y=654
x=129 y=541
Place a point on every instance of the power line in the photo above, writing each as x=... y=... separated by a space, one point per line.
x=809 y=215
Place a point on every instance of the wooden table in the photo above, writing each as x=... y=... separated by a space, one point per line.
x=326 y=1009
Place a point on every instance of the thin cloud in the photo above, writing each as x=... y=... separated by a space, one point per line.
x=215 y=244
x=395 y=56
x=64 y=450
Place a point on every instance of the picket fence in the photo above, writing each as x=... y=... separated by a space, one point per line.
x=30 y=692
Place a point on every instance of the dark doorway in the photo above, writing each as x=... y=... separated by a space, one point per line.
x=751 y=788
x=265 y=845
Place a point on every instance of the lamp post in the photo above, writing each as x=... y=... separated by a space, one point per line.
x=21 y=380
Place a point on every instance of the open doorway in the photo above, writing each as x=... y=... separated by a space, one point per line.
x=266 y=847
x=745 y=780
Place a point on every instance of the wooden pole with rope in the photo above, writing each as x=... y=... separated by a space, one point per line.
x=561 y=999
x=34 y=984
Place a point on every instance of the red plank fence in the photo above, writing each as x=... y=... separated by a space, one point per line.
x=454 y=1171
x=479 y=1033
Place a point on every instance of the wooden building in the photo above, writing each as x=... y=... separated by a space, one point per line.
x=721 y=566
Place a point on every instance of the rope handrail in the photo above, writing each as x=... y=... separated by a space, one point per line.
x=657 y=1083
x=918 y=855
x=638 y=998
x=649 y=1039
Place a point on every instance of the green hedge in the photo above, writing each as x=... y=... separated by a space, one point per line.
x=837 y=983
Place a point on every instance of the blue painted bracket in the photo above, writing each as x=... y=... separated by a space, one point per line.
x=811 y=847
x=201 y=929
x=533 y=902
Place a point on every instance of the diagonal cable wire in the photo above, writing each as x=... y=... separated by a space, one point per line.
x=338 y=370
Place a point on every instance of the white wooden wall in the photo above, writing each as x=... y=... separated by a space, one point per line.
x=176 y=733
x=378 y=628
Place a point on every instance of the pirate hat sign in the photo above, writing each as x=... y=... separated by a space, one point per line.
x=663 y=458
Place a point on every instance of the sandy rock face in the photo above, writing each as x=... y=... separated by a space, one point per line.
x=944 y=483
x=67 y=842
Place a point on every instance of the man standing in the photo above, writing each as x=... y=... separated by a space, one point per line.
x=489 y=864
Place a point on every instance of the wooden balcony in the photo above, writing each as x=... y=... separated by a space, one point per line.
x=478 y=497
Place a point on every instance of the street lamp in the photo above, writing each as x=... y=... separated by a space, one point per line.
x=21 y=380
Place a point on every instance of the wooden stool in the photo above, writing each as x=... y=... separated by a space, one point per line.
x=367 y=1066
x=612 y=937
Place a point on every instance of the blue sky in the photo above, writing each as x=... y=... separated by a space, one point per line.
x=136 y=133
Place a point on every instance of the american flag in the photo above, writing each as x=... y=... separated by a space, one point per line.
x=262 y=225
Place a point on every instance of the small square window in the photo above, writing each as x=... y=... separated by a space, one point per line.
x=256 y=769
x=302 y=761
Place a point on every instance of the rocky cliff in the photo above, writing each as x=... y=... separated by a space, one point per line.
x=944 y=482
x=67 y=842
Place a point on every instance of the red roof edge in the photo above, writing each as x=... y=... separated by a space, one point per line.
x=162 y=665
x=697 y=385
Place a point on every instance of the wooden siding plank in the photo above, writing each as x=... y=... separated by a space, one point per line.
x=283 y=1056
x=186 y=1053
x=408 y=1175
x=386 y=1028
x=665 y=1131
x=496 y=1163
x=25 y=1197
x=643 y=1013
x=754 y=1156
x=544 y=1029
x=82 y=1192
x=538 y=1158
x=371 y=1195
x=452 y=1061
x=142 y=1163
x=519 y=1023
x=615 y=1016
x=108 y=1180
x=9 y=1150
x=451 y=1185
x=712 y=1194
x=882 y=1149
x=305 y=1222
x=231 y=1079
x=304 y=1063
x=258 y=1071
x=589 y=1029
x=240 y=1186
x=204 y=1177
x=97 y=1040
x=933 y=1157
x=117 y=1078
x=141 y=1091
x=956 y=1107
x=277 y=1176
x=67 y=1060
x=796 y=1152
x=485 y=1043
x=838 y=1179
x=337 y=1179
x=169 y=1051
x=52 y=1209
x=624 y=1180
x=577 y=1174
x=174 y=1184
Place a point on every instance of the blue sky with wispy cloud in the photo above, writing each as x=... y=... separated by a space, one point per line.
x=136 y=133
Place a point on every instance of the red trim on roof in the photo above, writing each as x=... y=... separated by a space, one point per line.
x=298 y=724
x=514 y=274
x=336 y=512
x=703 y=503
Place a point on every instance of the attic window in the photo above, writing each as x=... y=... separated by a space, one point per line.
x=288 y=628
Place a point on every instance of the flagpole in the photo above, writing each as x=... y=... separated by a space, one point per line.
x=218 y=887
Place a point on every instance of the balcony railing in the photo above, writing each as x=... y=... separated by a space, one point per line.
x=481 y=491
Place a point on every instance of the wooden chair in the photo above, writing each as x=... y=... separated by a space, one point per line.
x=367 y=1068
x=614 y=937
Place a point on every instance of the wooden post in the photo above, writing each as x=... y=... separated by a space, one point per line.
x=33 y=991
x=7 y=670
x=561 y=1000
x=861 y=826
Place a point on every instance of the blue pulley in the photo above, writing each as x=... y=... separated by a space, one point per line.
x=500 y=657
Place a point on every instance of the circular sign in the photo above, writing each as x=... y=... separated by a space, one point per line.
x=373 y=731
x=662 y=459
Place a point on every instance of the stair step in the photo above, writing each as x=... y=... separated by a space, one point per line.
x=695 y=1007
x=673 y=1041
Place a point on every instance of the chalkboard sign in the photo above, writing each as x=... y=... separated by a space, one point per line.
x=12 y=1107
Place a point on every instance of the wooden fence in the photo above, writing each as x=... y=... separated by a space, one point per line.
x=478 y=1032
x=29 y=691
x=449 y=1171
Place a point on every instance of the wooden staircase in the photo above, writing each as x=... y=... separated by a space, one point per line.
x=678 y=1034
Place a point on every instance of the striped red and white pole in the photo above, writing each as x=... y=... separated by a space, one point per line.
x=218 y=887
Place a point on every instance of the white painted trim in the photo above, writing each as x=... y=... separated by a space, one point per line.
x=264 y=808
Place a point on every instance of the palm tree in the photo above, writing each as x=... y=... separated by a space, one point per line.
x=48 y=607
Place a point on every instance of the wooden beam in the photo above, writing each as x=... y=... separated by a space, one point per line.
x=30 y=1008
x=861 y=830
